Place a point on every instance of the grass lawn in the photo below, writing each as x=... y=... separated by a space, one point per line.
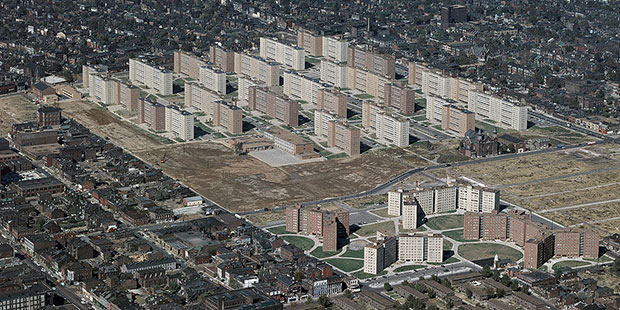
x=570 y=264
x=447 y=245
x=279 y=230
x=301 y=242
x=346 y=265
x=407 y=268
x=449 y=260
x=445 y=222
x=362 y=275
x=319 y=253
x=478 y=251
x=602 y=259
x=363 y=96
x=353 y=254
x=336 y=156
x=456 y=235
x=383 y=212
x=371 y=230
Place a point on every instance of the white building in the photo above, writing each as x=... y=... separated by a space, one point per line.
x=395 y=202
x=179 y=122
x=102 y=88
x=200 y=97
x=392 y=129
x=503 y=112
x=288 y=55
x=410 y=214
x=258 y=69
x=213 y=79
x=478 y=199
x=243 y=85
x=150 y=75
x=381 y=254
x=333 y=73
x=335 y=49
x=300 y=87
x=420 y=247
x=321 y=122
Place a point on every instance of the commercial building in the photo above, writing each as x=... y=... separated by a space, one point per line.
x=399 y=97
x=327 y=225
x=332 y=100
x=281 y=108
x=453 y=14
x=344 y=136
x=370 y=110
x=503 y=112
x=321 y=122
x=375 y=63
x=89 y=69
x=380 y=254
x=335 y=49
x=32 y=298
x=42 y=89
x=288 y=55
x=150 y=75
x=392 y=129
x=367 y=81
x=200 y=97
x=179 y=122
x=213 y=78
x=301 y=87
x=291 y=143
x=570 y=243
x=48 y=116
x=152 y=113
x=258 y=69
x=222 y=58
x=188 y=64
x=334 y=73
x=420 y=247
x=311 y=42
x=228 y=116
x=478 y=199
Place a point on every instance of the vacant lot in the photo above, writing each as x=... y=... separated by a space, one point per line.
x=265 y=218
x=15 y=109
x=365 y=202
x=445 y=222
x=479 y=251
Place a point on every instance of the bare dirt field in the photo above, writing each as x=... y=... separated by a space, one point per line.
x=15 y=109
x=106 y=124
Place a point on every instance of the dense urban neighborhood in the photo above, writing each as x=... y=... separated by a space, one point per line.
x=267 y=155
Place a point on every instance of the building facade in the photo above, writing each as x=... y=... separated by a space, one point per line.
x=152 y=113
x=300 y=87
x=288 y=55
x=258 y=68
x=281 y=108
x=343 y=136
x=150 y=75
x=332 y=100
x=179 y=122
x=399 y=97
x=187 y=63
x=375 y=63
x=420 y=247
x=478 y=199
x=213 y=78
x=334 y=73
x=392 y=129
x=222 y=58
x=503 y=112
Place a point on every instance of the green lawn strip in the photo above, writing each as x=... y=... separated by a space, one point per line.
x=336 y=156
x=445 y=222
x=301 y=242
x=371 y=230
x=447 y=245
x=602 y=259
x=570 y=264
x=479 y=251
x=456 y=235
x=279 y=230
x=346 y=265
x=362 y=275
x=363 y=96
x=319 y=253
x=408 y=268
x=353 y=254
x=449 y=260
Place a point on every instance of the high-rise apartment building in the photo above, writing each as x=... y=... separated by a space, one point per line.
x=310 y=41
x=332 y=100
x=222 y=58
x=157 y=78
x=152 y=113
x=321 y=122
x=410 y=210
x=399 y=97
x=88 y=69
x=370 y=110
x=112 y=92
x=188 y=64
x=213 y=78
x=457 y=119
x=128 y=96
x=415 y=73
x=344 y=136
x=367 y=81
x=335 y=49
x=503 y=112
x=243 y=86
x=395 y=202
x=258 y=68
x=478 y=199
x=434 y=82
x=281 y=108
x=286 y=54
x=334 y=73
x=300 y=87
x=179 y=122
x=392 y=129
x=228 y=116
x=375 y=63
x=452 y=14
x=538 y=250
x=381 y=254
x=327 y=225
x=200 y=97
x=420 y=247
x=570 y=243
